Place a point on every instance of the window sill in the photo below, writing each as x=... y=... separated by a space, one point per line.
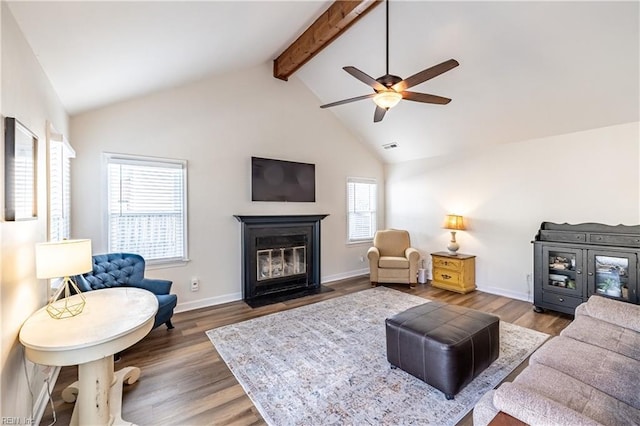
x=163 y=264
x=359 y=243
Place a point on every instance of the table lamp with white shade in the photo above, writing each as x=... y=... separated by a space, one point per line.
x=63 y=259
x=454 y=223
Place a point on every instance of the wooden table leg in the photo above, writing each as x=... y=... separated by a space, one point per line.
x=99 y=378
x=94 y=382
x=128 y=375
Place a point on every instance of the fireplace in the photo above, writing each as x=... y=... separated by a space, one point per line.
x=280 y=257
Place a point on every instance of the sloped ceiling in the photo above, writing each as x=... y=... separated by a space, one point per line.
x=527 y=69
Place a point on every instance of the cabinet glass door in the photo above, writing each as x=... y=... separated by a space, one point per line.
x=612 y=275
x=563 y=272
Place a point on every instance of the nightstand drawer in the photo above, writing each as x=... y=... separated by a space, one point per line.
x=446 y=276
x=451 y=264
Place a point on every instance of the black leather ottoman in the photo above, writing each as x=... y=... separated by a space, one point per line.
x=444 y=345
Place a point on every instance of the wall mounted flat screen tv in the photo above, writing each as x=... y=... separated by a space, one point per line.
x=278 y=180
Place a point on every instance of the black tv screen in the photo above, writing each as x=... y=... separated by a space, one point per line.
x=278 y=180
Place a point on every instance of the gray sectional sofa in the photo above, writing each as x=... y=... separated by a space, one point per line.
x=589 y=375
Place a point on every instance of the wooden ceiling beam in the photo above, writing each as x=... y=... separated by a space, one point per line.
x=329 y=26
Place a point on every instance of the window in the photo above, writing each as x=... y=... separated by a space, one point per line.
x=361 y=209
x=147 y=207
x=60 y=155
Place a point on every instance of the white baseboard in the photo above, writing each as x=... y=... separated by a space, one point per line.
x=507 y=293
x=344 y=275
x=210 y=301
x=233 y=297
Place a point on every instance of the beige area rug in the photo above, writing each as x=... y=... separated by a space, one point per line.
x=326 y=364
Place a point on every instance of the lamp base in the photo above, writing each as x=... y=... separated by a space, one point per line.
x=62 y=308
x=453 y=245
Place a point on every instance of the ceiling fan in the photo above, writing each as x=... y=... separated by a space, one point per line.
x=390 y=89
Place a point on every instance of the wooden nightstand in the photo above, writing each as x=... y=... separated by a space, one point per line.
x=456 y=273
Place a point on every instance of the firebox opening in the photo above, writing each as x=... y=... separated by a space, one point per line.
x=281 y=257
x=281 y=262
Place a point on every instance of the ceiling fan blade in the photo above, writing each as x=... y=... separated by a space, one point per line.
x=346 y=101
x=365 y=78
x=426 y=98
x=379 y=114
x=425 y=75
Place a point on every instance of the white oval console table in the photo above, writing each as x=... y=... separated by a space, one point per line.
x=112 y=320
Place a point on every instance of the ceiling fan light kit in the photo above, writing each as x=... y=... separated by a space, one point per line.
x=390 y=89
x=387 y=99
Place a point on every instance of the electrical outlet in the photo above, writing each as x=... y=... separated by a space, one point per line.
x=195 y=284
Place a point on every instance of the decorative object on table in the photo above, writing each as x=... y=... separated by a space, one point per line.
x=326 y=363
x=392 y=259
x=609 y=284
x=454 y=223
x=63 y=259
x=20 y=165
x=454 y=272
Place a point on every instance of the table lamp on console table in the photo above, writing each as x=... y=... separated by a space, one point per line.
x=63 y=259
x=454 y=223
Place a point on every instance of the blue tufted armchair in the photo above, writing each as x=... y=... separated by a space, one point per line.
x=127 y=270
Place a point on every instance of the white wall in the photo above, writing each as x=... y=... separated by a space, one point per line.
x=28 y=96
x=507 y=191
x=217 y=124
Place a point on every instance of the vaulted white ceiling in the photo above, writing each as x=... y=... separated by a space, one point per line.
x=527 y=69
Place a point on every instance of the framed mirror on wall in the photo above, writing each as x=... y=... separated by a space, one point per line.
x=20 y=171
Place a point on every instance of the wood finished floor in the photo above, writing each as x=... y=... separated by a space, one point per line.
x=185 y=382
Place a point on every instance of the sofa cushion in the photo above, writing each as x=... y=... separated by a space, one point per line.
x=534 y=409
x=574 y=394
x=484 y=410
x=604 y=335
x=392 y=242
x=115 y=270
x=623 y=314
x=612 y=373
x=392 y=262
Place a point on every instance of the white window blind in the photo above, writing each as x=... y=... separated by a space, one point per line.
x=24 y=191
x=361 y=209
x=60 y=155
x=147 y=207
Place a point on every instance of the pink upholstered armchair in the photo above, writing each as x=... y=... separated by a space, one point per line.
x=392 y=259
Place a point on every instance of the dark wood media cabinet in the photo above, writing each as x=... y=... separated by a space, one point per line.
x=574 y=262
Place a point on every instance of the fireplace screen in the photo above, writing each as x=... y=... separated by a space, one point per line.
x=281 y=262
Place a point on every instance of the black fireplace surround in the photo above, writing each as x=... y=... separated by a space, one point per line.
x=280 y=257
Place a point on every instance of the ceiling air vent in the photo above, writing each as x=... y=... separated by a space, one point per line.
x=390 y=145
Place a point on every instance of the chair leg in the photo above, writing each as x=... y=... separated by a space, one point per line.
x=169 y=325
x=374 y=284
